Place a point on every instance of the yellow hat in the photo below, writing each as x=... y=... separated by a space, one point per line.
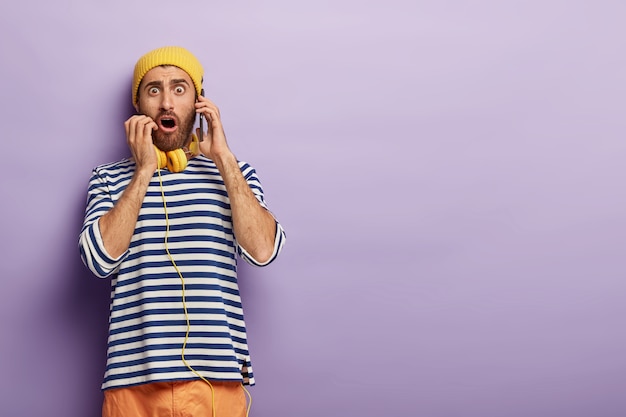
x=168 y=55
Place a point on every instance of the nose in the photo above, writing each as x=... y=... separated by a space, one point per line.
x=166 y=101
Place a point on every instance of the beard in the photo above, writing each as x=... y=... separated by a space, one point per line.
x=175 y=140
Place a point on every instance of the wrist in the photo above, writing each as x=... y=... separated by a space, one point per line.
x=224 y=158
x=144 y=174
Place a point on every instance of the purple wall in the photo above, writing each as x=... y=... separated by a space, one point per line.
x=450 y=176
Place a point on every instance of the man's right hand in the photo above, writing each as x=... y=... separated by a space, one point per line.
x=139 y=130
x=118 y=224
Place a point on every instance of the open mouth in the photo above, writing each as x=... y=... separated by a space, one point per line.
x=168 y=123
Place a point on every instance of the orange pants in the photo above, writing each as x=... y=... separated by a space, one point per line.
x=176 y=399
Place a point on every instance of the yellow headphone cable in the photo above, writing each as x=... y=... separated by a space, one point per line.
x=182 y=279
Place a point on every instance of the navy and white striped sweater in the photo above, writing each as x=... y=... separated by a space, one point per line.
x=147 y=324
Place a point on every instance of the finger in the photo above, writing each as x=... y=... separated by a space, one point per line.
x=129 y=126
x=143 y=126
x=205 y=99
x=135 y=130
x=132 y=131
x=206 y=132
x=206 y=103
x=211 y=114
x=148 y=128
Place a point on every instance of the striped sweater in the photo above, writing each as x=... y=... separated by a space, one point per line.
x=147 y=323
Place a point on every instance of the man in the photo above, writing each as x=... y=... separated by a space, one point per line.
x=169 y=239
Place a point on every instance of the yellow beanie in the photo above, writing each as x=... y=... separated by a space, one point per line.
x=168 y=55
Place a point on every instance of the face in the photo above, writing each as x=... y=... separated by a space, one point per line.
x=167 y=95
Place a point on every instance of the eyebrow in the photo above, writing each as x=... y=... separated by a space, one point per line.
x=159 y=83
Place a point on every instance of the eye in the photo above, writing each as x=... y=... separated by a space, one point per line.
x=153 y=91
x=179 y=89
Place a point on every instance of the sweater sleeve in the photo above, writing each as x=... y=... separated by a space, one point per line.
x=279 y=238
x=90 y=243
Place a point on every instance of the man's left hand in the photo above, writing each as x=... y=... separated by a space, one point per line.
x=214 y=144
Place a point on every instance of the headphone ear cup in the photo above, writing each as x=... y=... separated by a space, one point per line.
x=162 y=158
x=176 y=160
x=194 y=146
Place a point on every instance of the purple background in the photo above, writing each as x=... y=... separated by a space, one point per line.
x=450 y=176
